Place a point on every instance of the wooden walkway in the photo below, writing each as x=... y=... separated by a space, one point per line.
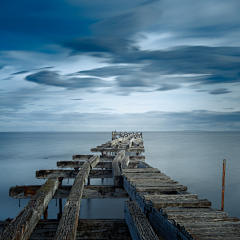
x=158 y=207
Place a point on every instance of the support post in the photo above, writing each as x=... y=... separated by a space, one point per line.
x=223 y=184
x=88 y=182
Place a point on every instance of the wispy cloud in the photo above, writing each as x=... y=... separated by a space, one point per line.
x=219 y=91
x=52 y=78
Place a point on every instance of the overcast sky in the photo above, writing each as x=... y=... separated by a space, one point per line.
x=101 y=65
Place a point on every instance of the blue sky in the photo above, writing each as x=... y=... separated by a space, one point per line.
x=105 y=65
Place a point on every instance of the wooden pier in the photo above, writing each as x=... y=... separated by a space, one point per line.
x=158 y=206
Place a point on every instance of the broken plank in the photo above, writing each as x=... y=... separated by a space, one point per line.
x=89 y=191
x=22 y=226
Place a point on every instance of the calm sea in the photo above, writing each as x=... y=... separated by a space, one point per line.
x=192 y=158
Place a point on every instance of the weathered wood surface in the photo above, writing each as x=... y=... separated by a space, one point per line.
x=68 y=224
x=114 y=149
x=116 y=170
x=125 y=162
x=107 y=165
x=22 y=226
x=162 y=203
x=89 y=191
x=143 y=175
x=106 y=158
x=170 y=197
x=198 y=223
x=149 y=181
x=158 y=189
x=144 y=165
x=129 y=135
x=138 y=224
x=90 y=229
x=140 y=170
x=43 y=174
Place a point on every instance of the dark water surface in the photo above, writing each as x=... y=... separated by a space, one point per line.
x=192 y=158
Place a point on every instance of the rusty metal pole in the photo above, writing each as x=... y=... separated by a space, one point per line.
x=223 y=184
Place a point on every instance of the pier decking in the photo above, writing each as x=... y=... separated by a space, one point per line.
x=158 y=207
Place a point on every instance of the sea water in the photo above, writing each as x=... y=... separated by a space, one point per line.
x=195 y=159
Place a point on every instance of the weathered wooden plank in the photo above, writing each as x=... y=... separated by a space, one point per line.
x=162 y=203
x=43 y=174
x=143 y=175
x=213 y=224
x=125 y=162
x=217 y=234
x=152 y=182
x=22 y=226
x=170 y=197
x=161 y=189
x=144 y=165
x=166 y=228
x=105 y=157
x=156 y=184
x=116 y=171
x=78 y=164
x=107 y=165
x=133 y=149
x=161 y=177
x=68 y=224
x=138 y=225
x=197 y=215
x=140 y=170
x=89 y=191
x=149 y=181
x=183 y=210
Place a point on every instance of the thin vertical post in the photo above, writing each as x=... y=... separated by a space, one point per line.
x=88 y=182
x=223 y=184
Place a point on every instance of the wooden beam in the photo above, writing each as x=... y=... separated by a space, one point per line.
x=78 y=164
x=68 y=224
x=125 y=162
x=114 y=149
x=89 y=191
x=22 y=226
x=144 y=175
x=200 y=216
x=158 y=189
x=162 y=203
x=169 y=196
x=140 y=170
x=105 y=164
x=106 y=158
x=116 y=171
x=43 y=174
x=138 y=225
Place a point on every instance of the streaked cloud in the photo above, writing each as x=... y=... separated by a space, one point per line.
x=52 y=78
x=219 y=91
